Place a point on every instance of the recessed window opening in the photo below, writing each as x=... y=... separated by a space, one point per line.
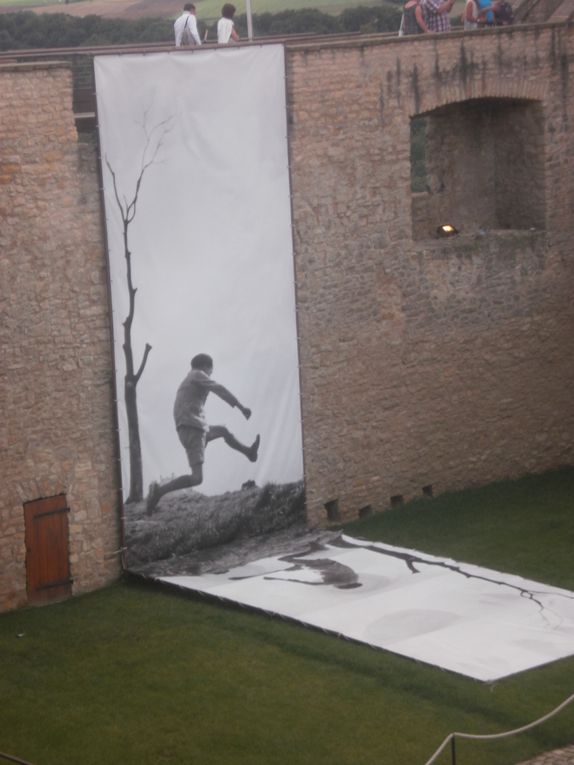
x=397 y=500
x=427 y=490
x=332 y=508
x=479 y=166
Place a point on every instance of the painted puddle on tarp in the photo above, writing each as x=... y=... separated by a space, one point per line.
x=464 y=618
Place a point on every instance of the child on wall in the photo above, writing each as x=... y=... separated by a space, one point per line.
x=470 y=16
x=225 y=26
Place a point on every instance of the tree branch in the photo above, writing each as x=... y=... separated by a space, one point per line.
x=138 y=374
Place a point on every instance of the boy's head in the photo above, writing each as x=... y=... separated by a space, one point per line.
x=202 y=361
x=228 y=11
x=190 y=7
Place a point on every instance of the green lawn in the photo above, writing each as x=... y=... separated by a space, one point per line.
x=524 y=527
x=140 y=675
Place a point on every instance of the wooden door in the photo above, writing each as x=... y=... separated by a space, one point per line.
x=47 y=549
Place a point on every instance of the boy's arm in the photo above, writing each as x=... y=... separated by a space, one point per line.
x=225 y=395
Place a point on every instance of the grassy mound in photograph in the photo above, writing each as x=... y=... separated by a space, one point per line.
x=186 y=521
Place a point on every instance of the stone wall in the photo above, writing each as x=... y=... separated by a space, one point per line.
x=57 y=429
x=426 y=364
x=432 y=363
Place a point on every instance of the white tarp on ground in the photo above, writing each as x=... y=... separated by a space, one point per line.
x=211 y=249
x=457 y=616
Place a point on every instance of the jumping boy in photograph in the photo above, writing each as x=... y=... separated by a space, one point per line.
x=192 y=429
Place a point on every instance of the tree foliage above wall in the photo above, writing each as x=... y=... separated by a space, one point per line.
x=29 y=30
x=58 y=30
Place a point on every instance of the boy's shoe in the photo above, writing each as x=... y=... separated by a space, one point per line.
x=253 y=450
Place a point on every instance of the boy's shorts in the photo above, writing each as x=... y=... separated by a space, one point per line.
x=193 y=441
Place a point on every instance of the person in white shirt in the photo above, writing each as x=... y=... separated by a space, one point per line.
x=225 y=30
x=470 y=16
x=185 y=27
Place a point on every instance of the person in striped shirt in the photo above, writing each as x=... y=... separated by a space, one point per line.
x=436 y=14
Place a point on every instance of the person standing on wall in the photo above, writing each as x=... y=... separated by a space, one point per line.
x=225 y=27
x=470 y=16
x=436 y=14
x=185 y=27
x=412 y=21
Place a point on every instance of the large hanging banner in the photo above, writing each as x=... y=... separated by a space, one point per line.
x=197 y=203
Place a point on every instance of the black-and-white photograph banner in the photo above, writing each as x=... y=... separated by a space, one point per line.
x=197 y=202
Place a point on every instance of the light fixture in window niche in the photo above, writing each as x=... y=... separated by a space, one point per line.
x=447 y=229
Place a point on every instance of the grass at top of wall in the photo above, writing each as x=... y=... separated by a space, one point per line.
x=24 y=5
x=140 y=675
x=211 y=9
x=521 y=527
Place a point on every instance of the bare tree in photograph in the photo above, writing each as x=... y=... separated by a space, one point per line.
x=128 y=207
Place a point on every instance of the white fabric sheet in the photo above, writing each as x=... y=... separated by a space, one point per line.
x=457 y=616
x=211 y=247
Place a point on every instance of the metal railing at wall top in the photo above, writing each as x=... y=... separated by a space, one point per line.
x=451 y=738
x=80 y=59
